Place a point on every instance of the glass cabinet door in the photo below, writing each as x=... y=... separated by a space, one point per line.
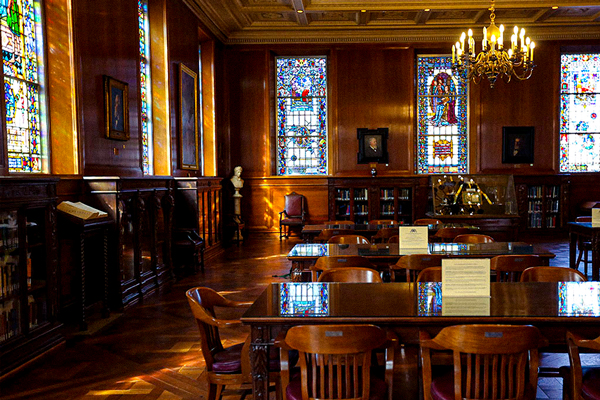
x=10 y=312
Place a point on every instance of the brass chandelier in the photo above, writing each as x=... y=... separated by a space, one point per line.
x=494 y=60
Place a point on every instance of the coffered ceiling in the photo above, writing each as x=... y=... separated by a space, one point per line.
x=314 y=21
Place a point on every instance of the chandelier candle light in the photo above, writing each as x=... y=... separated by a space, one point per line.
x=494 y=60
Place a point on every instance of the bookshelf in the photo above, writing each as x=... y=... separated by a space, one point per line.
x=542 y=201
x=28 y=271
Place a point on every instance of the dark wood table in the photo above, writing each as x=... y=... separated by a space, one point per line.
x=304 y=255
x=407 y=309
x=585 y=229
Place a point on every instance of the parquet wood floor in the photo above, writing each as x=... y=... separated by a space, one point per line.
x=152 y=352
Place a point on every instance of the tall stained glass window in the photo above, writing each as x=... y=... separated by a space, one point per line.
x=145 y=82
x=442 y=144
x=579 y=109
x=22 y=59
x=301 y=115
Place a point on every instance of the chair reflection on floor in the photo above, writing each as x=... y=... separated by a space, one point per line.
x=509 y=267
x=490 y=362
x=354 y=274
x=335 y=362
x=552 y=274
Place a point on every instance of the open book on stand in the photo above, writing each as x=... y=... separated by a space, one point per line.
x=80 y=210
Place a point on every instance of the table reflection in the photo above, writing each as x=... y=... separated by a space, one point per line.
x=578 y=299
x=304 y=299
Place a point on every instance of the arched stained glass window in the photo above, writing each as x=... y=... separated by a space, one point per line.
x=301 y=115
x=145 y=84
x=442 y=144
x=579 y=109
x=22 y=60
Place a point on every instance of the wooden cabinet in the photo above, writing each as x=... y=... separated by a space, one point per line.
x=142 y=211
x=28 y=270
x=543 y=201
x=362 y=199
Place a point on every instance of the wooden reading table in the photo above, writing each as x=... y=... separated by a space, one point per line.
x=408 y=308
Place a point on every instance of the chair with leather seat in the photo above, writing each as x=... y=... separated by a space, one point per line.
x=427 y=221
x=348 y=239
x=581 y=382
x=509 y=267
x=584 y=247
x=336 y=362
x=354 y=274
x=489 y=362
x=414 y=263
x=293 y=214
x=337 y=262
x=384 y=234
x=224 y=365
x=473 y=238
x=448 y=234
x=328 y=233
x=552 y=274
x=431 y=274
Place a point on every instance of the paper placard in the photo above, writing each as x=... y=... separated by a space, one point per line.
x=465 y=306
x=413 y=237
x=466 y=277
x=596 y=217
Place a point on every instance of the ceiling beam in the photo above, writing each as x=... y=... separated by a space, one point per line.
x=300 y=12
x=422 y=17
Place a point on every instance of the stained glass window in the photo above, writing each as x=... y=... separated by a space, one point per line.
x=579 y=109
x=442 y=145
x=301 y=115
x=145 y=87
x=22 y=57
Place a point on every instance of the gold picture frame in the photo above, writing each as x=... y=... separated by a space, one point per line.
x=116 y=109
x=188 y=118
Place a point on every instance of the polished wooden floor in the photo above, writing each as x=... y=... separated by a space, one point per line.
x=152 y=352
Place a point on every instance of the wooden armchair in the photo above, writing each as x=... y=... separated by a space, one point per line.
x=552 y=274
x=473 y=238
x=415 y=263
x=335 y=362
x=431 y=274
x=338 y=262
x=427 y=221
x=584 y=247
x=354 y=274
x=490 y=362
x=224 y=366
x=509 y=267
x=448 y=234
x=581 y=382
x=384 y=234
x=293 y=214
x=328 y=233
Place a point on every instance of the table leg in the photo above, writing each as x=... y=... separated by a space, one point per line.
x=259 y=358
x=595 y=256
x=573 y=250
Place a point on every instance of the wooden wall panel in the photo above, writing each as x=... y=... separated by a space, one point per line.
x=183 y=42
x=533 y=102
x=264 y=199
x=106 y=42
x=374 y=90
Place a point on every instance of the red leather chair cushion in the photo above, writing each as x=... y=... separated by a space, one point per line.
x=378 y=388
x=590 y=388
x=293 y=205
x=442 y=385
x=229 y=361
x=291 y=221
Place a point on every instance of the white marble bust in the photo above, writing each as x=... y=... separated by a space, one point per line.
x=237 y=182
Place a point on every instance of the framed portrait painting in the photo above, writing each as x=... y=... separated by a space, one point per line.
x=188 y=118
x=116 y=109
x=517 y=144
x=372 y=145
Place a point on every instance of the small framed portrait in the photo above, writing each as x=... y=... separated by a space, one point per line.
x=372 y=145
x=517 y=144
x=188 y=118
x=116 y=109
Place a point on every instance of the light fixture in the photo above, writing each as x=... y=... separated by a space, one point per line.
x=494 y=60
x=363 y=10
x=300 y=11
x=427 y=9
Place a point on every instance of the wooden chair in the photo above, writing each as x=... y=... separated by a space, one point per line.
x=584 y=246
x=431 y=274
x=383 y=222
x=328 y=233
x=335 y=362
x=361 y=275
x=383 y=235
x=490 y=362
x=224 y=366
x=448 y=234
x=427 y=221
x=473 y=238
x=337 y=262
x=293 y=214
x=552 y=274
x=348 y=239
x=509 y=267
x=581 y=382
x=394 y=239
x=415 y=263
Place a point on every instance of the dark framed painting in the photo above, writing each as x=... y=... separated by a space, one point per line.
x=517 y=144
x=372 y=145
x=116 y=109
x=188 y=118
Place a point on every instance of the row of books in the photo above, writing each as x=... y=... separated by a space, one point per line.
x=10 y=237
x=388 y=194
x=361 y=209
x=361 y=194
x=9 y=320
x=537 y=192
x=536 y=206
x=343 y=194
x=552 y=206
x=9 y=276
x=389 y=208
